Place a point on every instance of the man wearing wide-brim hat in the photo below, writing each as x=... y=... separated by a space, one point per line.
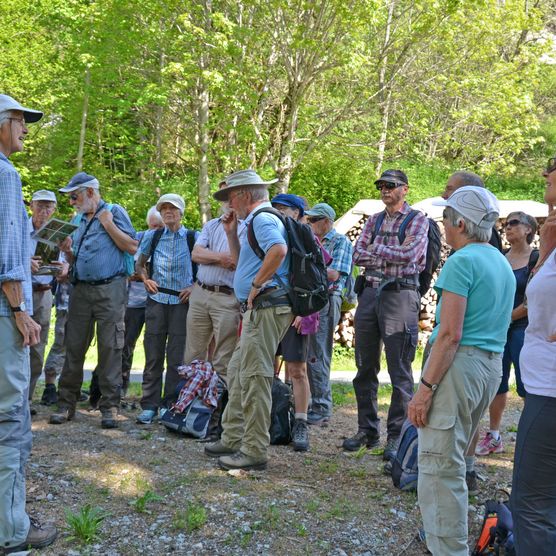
x=267 y=316
x=18 y=331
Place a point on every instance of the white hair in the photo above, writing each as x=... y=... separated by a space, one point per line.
x=472 y=231
x=258 y=193
x=153 y=213
x=5 y=116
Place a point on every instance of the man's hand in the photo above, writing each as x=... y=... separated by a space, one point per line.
x=64 y=268
x=151 y=286
x=227 y=262
x=418 y=408
x=408 y=241
x=65 y=246
x=297 y=324
x=254 y=292
x=229 y=222
x=105 y=217
x=185 y=293
x=29 y=329
x=35 y=264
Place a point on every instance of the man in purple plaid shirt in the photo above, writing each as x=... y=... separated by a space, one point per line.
x=388 y=310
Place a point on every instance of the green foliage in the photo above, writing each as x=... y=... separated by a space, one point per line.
x=141 y=502
x=192 y=518
x=84 y=525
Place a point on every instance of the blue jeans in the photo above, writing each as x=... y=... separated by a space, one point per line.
x=15 y=433
x=320 y=357
x=512 y=349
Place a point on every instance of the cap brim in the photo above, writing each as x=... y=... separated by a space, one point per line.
x=69 y=189
x=440 y=202
x=31 y=116
x=158 y=205
x=391 y=180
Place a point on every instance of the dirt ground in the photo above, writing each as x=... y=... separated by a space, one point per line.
x=161 y=495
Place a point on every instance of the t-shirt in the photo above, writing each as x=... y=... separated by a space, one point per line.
x=482 y=274
x=269 y=231
x=538 y=355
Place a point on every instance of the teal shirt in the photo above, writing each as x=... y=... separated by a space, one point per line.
x=482 y=274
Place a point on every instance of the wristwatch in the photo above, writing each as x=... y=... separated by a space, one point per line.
x=19 y=308
x=432 y=387
x=256 y=286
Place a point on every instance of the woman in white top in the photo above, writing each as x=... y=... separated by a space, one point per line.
x=534 y=480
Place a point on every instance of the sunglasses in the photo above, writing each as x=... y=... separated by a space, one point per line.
x=512 y=222
x=388 y=185
x=75 y=196
x=313 y=219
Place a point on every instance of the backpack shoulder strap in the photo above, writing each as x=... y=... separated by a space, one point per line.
x=154 y=243
x=406 y=221
x=253 y=243
x=378 y=224
x=191 y=245
x=533 y=260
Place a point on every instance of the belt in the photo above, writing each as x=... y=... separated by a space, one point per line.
x=397 y=284
x=101 y=282
x=217 y=289
x=41 y=287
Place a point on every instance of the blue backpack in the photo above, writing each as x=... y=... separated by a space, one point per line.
x=404 y=465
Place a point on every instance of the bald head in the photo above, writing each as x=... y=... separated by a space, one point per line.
x=459 y=179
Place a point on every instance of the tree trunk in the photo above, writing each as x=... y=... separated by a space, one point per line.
x=83 y=131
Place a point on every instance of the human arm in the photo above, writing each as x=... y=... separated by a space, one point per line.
x=519 y=312
x=29 y=329
x=141 y=270
x=273 y=259
x=230 y=223
x=361 y=251
x=452 y=314
x=123 y=240
x=204 y=255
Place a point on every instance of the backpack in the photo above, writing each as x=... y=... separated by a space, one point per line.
x=404 y=465
x=190 y=244
x=434 y=246
x=308 y=290
x=496 y=536
x=281 y=415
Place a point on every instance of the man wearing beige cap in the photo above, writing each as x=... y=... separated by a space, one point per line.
x=169 y=281
x=18 y=331
x=43 y=205
x=261 y=286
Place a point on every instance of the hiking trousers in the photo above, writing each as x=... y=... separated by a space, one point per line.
x=42 y=308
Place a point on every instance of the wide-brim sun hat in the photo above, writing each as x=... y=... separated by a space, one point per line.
x=172 y=198
x=242 y=178
x=477 y=204
x=8 y=103
x=81 y=180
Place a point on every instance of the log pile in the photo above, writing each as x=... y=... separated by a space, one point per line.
x=344 y=333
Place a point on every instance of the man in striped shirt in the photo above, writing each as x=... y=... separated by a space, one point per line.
x=169 y=284
x=388 y=310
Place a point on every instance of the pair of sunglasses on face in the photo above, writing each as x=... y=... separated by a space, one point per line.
x=313 y=219
x=512 y=222
x=388 y=185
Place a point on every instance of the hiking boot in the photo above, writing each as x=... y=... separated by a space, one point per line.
x=471 y=481
x=360 y=439
x=300 y=436
x=390 y=449
x=32 y=409
x=489 y=445
x=109 y=418
x=218 y=449
x=146 y=417
x=239 y=460
x=38 y=536
x=317 y=419
x=63 y=415
x=49 y=395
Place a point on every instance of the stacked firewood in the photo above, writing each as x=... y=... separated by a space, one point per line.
x=344 y=333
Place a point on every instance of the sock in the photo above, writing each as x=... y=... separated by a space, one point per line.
x=495 y=435
x=469 y=464
x=301 y=416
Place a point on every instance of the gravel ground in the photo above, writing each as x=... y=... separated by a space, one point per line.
x=162 y=496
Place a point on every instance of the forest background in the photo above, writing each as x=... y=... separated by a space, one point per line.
x=157 y=96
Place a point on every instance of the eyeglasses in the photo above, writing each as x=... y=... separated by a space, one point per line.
x=231 y=196
x=550 y=165
x=313 y=219
x=512 y=222
x=20 y=120
x=75 y=196
x=388 y=185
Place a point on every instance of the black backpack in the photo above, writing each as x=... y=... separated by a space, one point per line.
x=308 y=290
x=282 y=415
x=154 y=243
x=434 y=246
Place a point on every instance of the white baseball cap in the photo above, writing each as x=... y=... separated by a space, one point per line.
x=173 y=199
x=9 y=103
x=44 y=195
x=475 y=203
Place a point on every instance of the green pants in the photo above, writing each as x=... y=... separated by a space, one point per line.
x=463 y=395
x=246 y=419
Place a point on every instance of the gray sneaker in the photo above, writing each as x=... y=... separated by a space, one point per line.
x=300 y=436
x=239 y=460
x=218 y=449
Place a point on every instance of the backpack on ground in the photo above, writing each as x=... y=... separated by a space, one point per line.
x=405 y=469
x=434 y=246
x=496 y=536
x=154 y=243
x=282 y=416
x=308 y=289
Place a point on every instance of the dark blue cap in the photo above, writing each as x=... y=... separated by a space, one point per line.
x=79 y=181
x=290 y=200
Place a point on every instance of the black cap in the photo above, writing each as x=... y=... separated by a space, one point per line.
x=393 y=176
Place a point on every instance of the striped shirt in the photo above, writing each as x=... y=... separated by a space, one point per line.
x=15 y=242
x=99 y=257
x=341 y=250
x=385 y=255
x=171 y=264
x=214 y=237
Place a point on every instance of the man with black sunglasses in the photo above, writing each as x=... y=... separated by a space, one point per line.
x=388 y=310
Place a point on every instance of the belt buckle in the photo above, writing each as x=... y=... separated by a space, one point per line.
x=216 y=289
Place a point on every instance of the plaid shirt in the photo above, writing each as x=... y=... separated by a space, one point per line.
x=340 y=249
x=15 y=241
x=385 y=255
x=201 y=381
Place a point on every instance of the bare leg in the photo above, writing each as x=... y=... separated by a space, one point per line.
x=297 y=371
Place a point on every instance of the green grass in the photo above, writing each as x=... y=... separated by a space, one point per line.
x=84 y=525
x=140 y=503
x=192 y=518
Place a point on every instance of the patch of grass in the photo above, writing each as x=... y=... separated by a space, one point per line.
x=84 y=525
x=146 y=435
x=361 y=452
x=511 y=428
x=342 y=394
x=301 y=530
x=329 y=467
x=312 y=506
x=140 y=503
x=192 y=518
x=271 y=518
x=359 y=473
x=339 y=510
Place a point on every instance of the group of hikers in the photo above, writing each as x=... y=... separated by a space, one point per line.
x=224 y=298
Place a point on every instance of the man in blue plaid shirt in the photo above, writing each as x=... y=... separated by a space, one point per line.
x=18 y=331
